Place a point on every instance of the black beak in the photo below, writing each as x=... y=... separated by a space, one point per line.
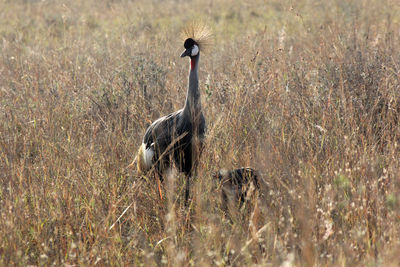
x=187 y=52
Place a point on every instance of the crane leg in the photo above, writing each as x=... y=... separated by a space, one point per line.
x=159 y=185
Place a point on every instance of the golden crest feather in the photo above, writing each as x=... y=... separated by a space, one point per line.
x=200 y=33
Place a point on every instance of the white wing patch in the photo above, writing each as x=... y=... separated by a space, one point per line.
x=148 y=154
x=195 y=50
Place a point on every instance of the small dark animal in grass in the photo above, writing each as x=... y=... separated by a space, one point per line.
x=237 y=184
x=177 y=139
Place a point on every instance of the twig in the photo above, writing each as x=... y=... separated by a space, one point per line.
x=112 y=226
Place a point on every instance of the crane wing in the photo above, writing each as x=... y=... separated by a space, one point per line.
x=160 y=131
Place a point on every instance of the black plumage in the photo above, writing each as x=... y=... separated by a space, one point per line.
x=171 y=138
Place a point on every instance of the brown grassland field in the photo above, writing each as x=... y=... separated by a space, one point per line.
x=307 y=92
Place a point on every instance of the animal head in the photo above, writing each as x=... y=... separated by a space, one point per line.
x=197 y=37
x=238 y=181
x=191 y=48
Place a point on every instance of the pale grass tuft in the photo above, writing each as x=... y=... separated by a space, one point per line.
x=309 y=100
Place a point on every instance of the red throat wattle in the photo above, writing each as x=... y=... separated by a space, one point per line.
x=192 y=63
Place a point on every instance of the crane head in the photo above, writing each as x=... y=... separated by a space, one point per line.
x=196 y=36
x=191 y=48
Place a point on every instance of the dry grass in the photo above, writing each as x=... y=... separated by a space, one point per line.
x=305 y=91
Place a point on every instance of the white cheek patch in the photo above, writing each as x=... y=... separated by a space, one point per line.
x=195 y=50
x=148 y=154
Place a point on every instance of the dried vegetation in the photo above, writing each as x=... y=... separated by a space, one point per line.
x=307 y=92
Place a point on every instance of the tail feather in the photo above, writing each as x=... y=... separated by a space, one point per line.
x=144 y=159
x=139 y=162
x=141 y=167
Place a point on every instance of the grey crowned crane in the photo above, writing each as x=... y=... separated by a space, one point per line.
x=178 y=137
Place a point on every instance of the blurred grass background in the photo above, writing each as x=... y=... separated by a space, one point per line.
x=307 y=92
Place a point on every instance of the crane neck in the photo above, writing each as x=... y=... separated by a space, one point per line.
x=192 y=104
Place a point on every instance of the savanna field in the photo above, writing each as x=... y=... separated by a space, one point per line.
x=306 y=92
